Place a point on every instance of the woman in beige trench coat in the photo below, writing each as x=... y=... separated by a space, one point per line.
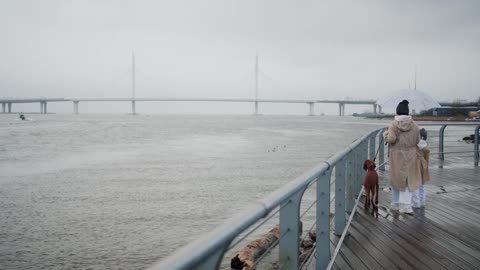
x=402 y=137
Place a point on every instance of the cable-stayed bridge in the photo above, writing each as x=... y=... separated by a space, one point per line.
x=7 y=103
x=259 y=75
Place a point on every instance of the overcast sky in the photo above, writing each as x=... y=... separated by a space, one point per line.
x=307 y=49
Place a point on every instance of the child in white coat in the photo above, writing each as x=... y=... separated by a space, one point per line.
x=423 y=155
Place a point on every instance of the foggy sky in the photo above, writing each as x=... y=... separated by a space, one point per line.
x=332 y=49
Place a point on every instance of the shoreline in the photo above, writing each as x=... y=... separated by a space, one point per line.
x=428 y=118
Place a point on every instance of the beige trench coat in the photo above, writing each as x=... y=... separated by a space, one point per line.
x=423 y=159
x=403 y=136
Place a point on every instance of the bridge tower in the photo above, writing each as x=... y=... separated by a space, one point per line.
x=133 y=84
x=256 y=85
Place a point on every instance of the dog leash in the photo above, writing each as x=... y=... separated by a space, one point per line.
x=382 y=164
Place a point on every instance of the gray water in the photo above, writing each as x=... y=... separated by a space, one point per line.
x=122 y=191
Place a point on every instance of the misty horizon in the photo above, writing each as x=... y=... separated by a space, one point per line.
x=207 y=49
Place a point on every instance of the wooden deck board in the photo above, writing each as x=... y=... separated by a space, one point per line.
x=431 y=245
x=349 y=257
x=372 y=247
x=443 y=235
x=411 y=247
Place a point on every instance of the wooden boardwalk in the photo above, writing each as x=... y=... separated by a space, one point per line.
x=443 y=235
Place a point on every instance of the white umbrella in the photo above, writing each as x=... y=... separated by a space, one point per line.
x=418 y=100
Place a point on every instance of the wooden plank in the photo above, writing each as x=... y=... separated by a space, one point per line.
x=348 y=255
x=391 y=250
x=460 y=189
x=452 y=208
x=446 y=241
x=408 y=251
x=462 y=200
x=361 y=253
x=453 y=224
x=437 y=220
x=366 y=244
x=441 y=250
x=450 y=176
x=417 y=246
x=448 y=228
x=340 y=261
x=453 y=215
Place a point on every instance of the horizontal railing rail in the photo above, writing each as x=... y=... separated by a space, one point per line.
x=207 y=251
x=451 y=139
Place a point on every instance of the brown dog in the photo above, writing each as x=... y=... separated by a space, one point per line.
x=371 y=185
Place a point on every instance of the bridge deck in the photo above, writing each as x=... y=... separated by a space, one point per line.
x=444 y=235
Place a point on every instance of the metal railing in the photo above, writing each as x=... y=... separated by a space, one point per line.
x=208 y=251
x=318 y=190
x=448 y=142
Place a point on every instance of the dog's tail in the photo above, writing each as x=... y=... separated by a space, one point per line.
x=375 y=196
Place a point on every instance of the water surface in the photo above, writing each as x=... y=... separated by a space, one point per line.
x=121 y=191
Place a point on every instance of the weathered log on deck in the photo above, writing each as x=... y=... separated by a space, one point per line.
x=245 y=259
x=306 y=246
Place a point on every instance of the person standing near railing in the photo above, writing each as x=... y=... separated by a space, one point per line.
x=423 y=158
x=402 y=137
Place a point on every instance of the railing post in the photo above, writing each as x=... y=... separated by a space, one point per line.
x=75 y=107
x=358 y=156
x=363 y=156
x=371 y=143
x=476 y=153
x=322 y=251
x=289 y=231
x=441 y=155
x=340 y=220
x=350 y=181
x=311 y=106
x=381 y=153
x=355 y=171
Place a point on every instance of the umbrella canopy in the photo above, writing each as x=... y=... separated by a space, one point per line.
x=418 y=100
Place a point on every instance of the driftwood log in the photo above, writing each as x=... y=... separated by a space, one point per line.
x=245 y=258
x=306 y=246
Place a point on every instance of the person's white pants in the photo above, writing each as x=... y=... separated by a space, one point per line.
x=419 y=197
x=401 y=198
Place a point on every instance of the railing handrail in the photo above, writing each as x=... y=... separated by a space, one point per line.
x=233 y=226
x=447 y=123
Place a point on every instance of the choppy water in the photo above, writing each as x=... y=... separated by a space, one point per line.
x=121 y=191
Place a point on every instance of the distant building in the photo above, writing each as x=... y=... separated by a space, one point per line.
x=449 y=111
